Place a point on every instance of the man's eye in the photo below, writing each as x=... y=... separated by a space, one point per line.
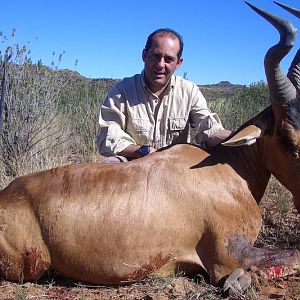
x=156 y=56
x=168 y=60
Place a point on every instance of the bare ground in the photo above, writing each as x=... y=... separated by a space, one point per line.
x=280 y=230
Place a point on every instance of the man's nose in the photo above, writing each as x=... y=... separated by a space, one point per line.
x=161 y=62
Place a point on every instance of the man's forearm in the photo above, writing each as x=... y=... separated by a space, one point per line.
x=132 y=151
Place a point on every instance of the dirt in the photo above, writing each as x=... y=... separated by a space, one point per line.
x=157 y=289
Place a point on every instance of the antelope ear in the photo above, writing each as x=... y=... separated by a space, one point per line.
x=246 y=136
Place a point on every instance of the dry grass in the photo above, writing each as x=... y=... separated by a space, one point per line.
x=281 y=226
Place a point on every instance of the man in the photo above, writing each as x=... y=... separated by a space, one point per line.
x=155 y=109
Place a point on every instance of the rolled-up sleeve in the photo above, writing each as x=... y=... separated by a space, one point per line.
x=203 y=122
x=112 y=138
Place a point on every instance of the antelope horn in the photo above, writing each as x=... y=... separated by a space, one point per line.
x=281 y=88
x=294 y=11
x=294 y=70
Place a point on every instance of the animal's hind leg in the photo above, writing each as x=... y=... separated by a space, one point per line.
x=269 y=264
x=27 y=264
x=23 y=252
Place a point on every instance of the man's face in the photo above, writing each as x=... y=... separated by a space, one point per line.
x=161 y=61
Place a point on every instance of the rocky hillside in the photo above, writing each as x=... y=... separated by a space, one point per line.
x=221 y=90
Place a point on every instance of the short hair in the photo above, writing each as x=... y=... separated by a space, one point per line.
x=162 y=32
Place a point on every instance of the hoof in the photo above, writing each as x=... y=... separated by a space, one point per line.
x=237 y=282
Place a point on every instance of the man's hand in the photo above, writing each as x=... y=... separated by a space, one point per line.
x=217 y=138
x=132 y=151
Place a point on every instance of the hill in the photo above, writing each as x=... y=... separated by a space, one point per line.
x=212 y=92
x=220 y=91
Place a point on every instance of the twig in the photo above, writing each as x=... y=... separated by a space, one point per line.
x=2 y=95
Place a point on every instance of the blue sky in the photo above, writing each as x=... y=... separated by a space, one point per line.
x=224 y=40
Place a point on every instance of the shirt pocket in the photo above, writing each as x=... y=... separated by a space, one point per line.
x=176 y=125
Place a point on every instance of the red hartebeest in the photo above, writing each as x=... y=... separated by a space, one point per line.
x=179 y=209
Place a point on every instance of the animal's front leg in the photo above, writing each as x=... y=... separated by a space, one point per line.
x=273 y=264
x=266 y=263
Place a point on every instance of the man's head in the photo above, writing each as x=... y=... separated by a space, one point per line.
x=162 y=56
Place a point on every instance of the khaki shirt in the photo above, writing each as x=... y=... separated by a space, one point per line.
x=132 y=114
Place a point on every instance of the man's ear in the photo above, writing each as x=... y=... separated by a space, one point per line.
x=246 y=136
x=179 y=62
x=144 y=53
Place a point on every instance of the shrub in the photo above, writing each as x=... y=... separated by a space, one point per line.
x=31 y=125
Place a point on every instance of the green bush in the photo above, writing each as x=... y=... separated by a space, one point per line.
x=80 y=101
x=245 y=104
